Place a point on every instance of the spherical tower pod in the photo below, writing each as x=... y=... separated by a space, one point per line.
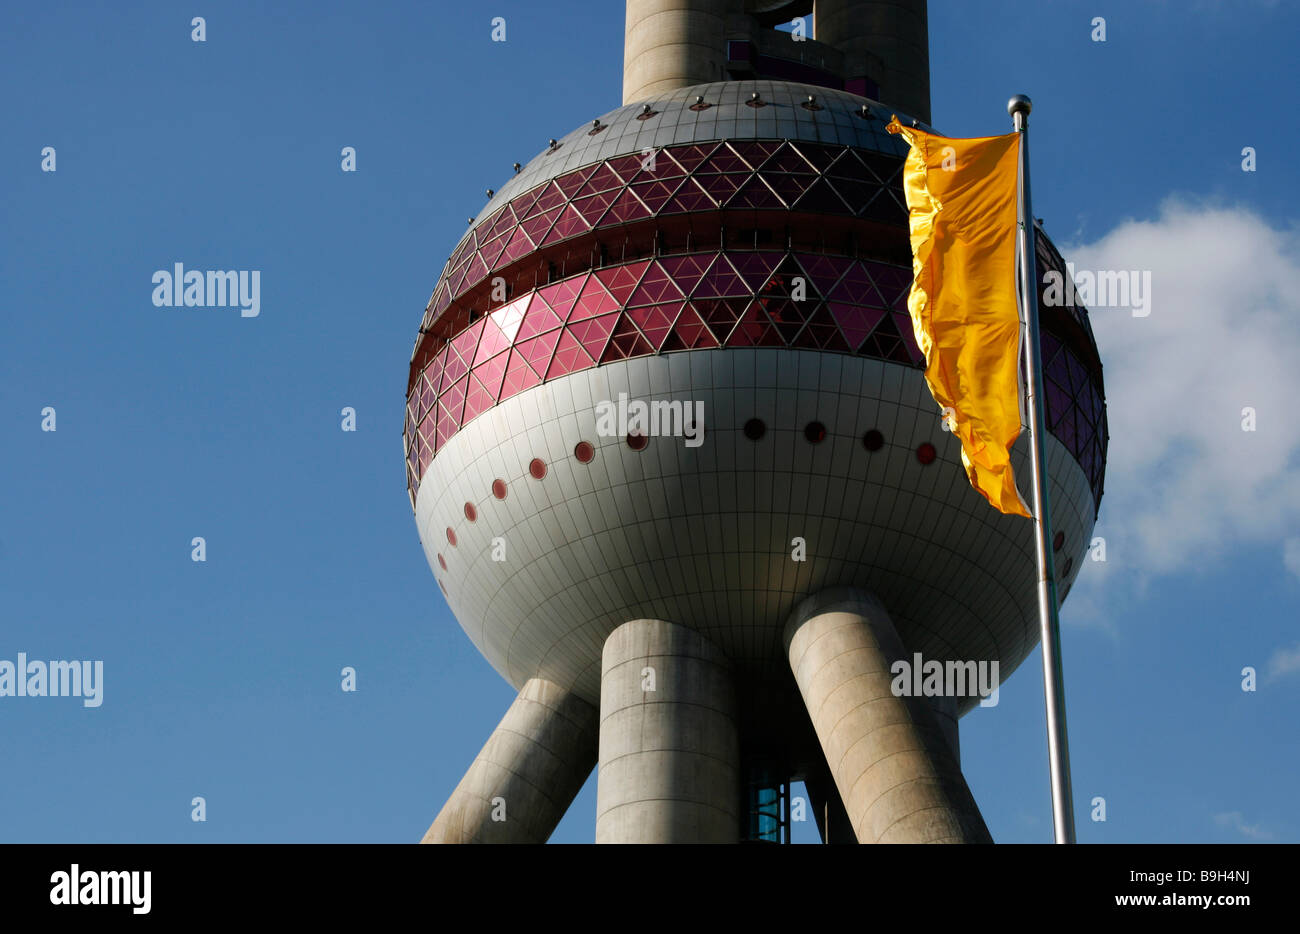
x=732 y=260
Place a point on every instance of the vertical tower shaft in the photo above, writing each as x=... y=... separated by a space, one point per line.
x=669 y=752
x=885 y=40
x=882 y=46
x=672 y=44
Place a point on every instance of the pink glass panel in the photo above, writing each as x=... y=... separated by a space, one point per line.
x=907 y=331
x=477 y=398
x=690 y=333
x=523 y=204
x=689 y=197
x=519 y=245
x=538 y=350
x=626 y=207
x=787 y=159
x=626 y=167
x=656 y=287
x=491 y=250
x=824 y=271
x=570 y=183
x=788 y=187
x=821 y=197
x=510 y=316
x=856 y=287
x=721 y=279
x=626 y=342
x=724 y=159
x=655 y=321
x=562 y=295
x=621 y=281
x=518 y=376
x=537 y=225
x=491 y=343
x=570 y=222
x=491 y=373
x=569 y=356
x=755 y=268
x=689 y=157
x=593 y=333
x=855 y=321
x=754 y=330
x=505 y=219
x=551 y=197
x=592 y=208
x=720 y=187
x=755 y=194
x=821 y=157
x=656 y=194
x=720 y=314
x=539 y=319
x=465 y=342
x=687 y=271
x=754 y=153
x=593 y=302
x=603 y=179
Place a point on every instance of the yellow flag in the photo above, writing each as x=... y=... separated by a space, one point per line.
x=961 y=195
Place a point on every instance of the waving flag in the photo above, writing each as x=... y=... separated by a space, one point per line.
x=961 y=195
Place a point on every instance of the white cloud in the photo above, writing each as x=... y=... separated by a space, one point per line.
x=1184 y=483
x=1283 y=662
x=1291 y=555
x=1238 y=823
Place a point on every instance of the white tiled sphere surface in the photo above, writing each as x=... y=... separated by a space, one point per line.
x=703 y=536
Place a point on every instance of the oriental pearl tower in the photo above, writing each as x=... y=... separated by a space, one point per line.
x=676 y=468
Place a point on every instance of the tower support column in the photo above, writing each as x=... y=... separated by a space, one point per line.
x=893 y=766
x=669 y=748
x=527 y=774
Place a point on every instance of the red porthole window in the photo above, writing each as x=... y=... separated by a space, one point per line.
x=471 y=513
x=584 y=452
x=873 y=440
x=926 y=453
x=637 y=442
x=499 y=488
x=1057 y=541
x=451 y=536
x=815 y=432
x=442 y=561
x=537 y=467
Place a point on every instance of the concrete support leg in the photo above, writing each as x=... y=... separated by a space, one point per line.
x=669 y=750
x=527 y=774
x=894 y=768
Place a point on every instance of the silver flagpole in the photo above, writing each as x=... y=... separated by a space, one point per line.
x=1058 y=747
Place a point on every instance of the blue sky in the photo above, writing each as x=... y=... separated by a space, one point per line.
x=222 y=678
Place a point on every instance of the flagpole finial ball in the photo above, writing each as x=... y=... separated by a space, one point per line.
x=1019 y=104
